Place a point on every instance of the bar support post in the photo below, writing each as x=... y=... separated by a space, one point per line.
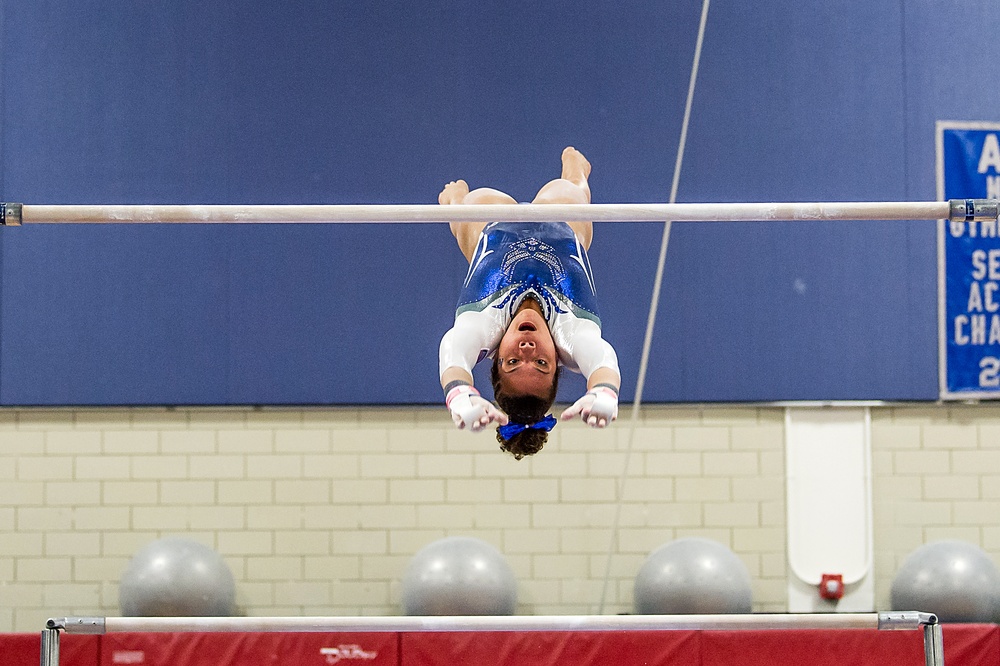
x=50 y=647
x=933 y=645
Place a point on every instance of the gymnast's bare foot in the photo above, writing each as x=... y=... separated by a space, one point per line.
x=576 y=168
x=454 y=192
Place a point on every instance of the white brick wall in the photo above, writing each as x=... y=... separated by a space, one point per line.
x=318 y=511
x=936 y=474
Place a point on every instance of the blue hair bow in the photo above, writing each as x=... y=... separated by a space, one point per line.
x=511 y=429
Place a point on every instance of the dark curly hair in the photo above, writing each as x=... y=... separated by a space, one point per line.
x=522 y=409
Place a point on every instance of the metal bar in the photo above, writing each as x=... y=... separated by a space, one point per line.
x=77 y=625
x=50 y=647
x=894 y=620
x=933 y=645
x=479 y=623
x=959 y=210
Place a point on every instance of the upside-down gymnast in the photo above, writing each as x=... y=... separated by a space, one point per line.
x=529 y=303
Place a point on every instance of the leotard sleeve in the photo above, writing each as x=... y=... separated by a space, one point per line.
x=474 y=336
x=581 y=347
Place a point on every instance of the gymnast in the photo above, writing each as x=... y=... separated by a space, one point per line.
x=529 y=303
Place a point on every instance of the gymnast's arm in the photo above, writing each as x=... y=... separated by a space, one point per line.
x=597 y=361
x=469 y=340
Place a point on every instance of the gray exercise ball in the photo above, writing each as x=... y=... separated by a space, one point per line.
x=459 y=576
x=692 y=576
x=175 y=577
x=955 y=580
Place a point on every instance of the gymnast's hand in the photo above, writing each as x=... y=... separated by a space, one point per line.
x=598 y=407
x=469 y=410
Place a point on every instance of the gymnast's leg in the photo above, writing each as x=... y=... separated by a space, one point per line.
x=571 y=188
x=467 y=233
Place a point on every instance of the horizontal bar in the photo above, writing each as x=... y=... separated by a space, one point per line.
x=957 y=209
x=99 y=625
x=894 y=620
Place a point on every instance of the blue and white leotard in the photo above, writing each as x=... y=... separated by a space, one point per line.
x=517 y=260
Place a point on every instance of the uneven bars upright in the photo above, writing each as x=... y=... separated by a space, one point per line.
x=965 y=210
x=909 y=620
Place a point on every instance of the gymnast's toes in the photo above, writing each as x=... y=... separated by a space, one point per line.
x=454 y=192
x=575 y=165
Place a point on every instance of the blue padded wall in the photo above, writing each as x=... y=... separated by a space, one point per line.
x=113 y=101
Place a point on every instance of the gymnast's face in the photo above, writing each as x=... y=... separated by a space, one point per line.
x=527 y=355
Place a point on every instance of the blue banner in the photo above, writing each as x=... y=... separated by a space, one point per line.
x=969 y=263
